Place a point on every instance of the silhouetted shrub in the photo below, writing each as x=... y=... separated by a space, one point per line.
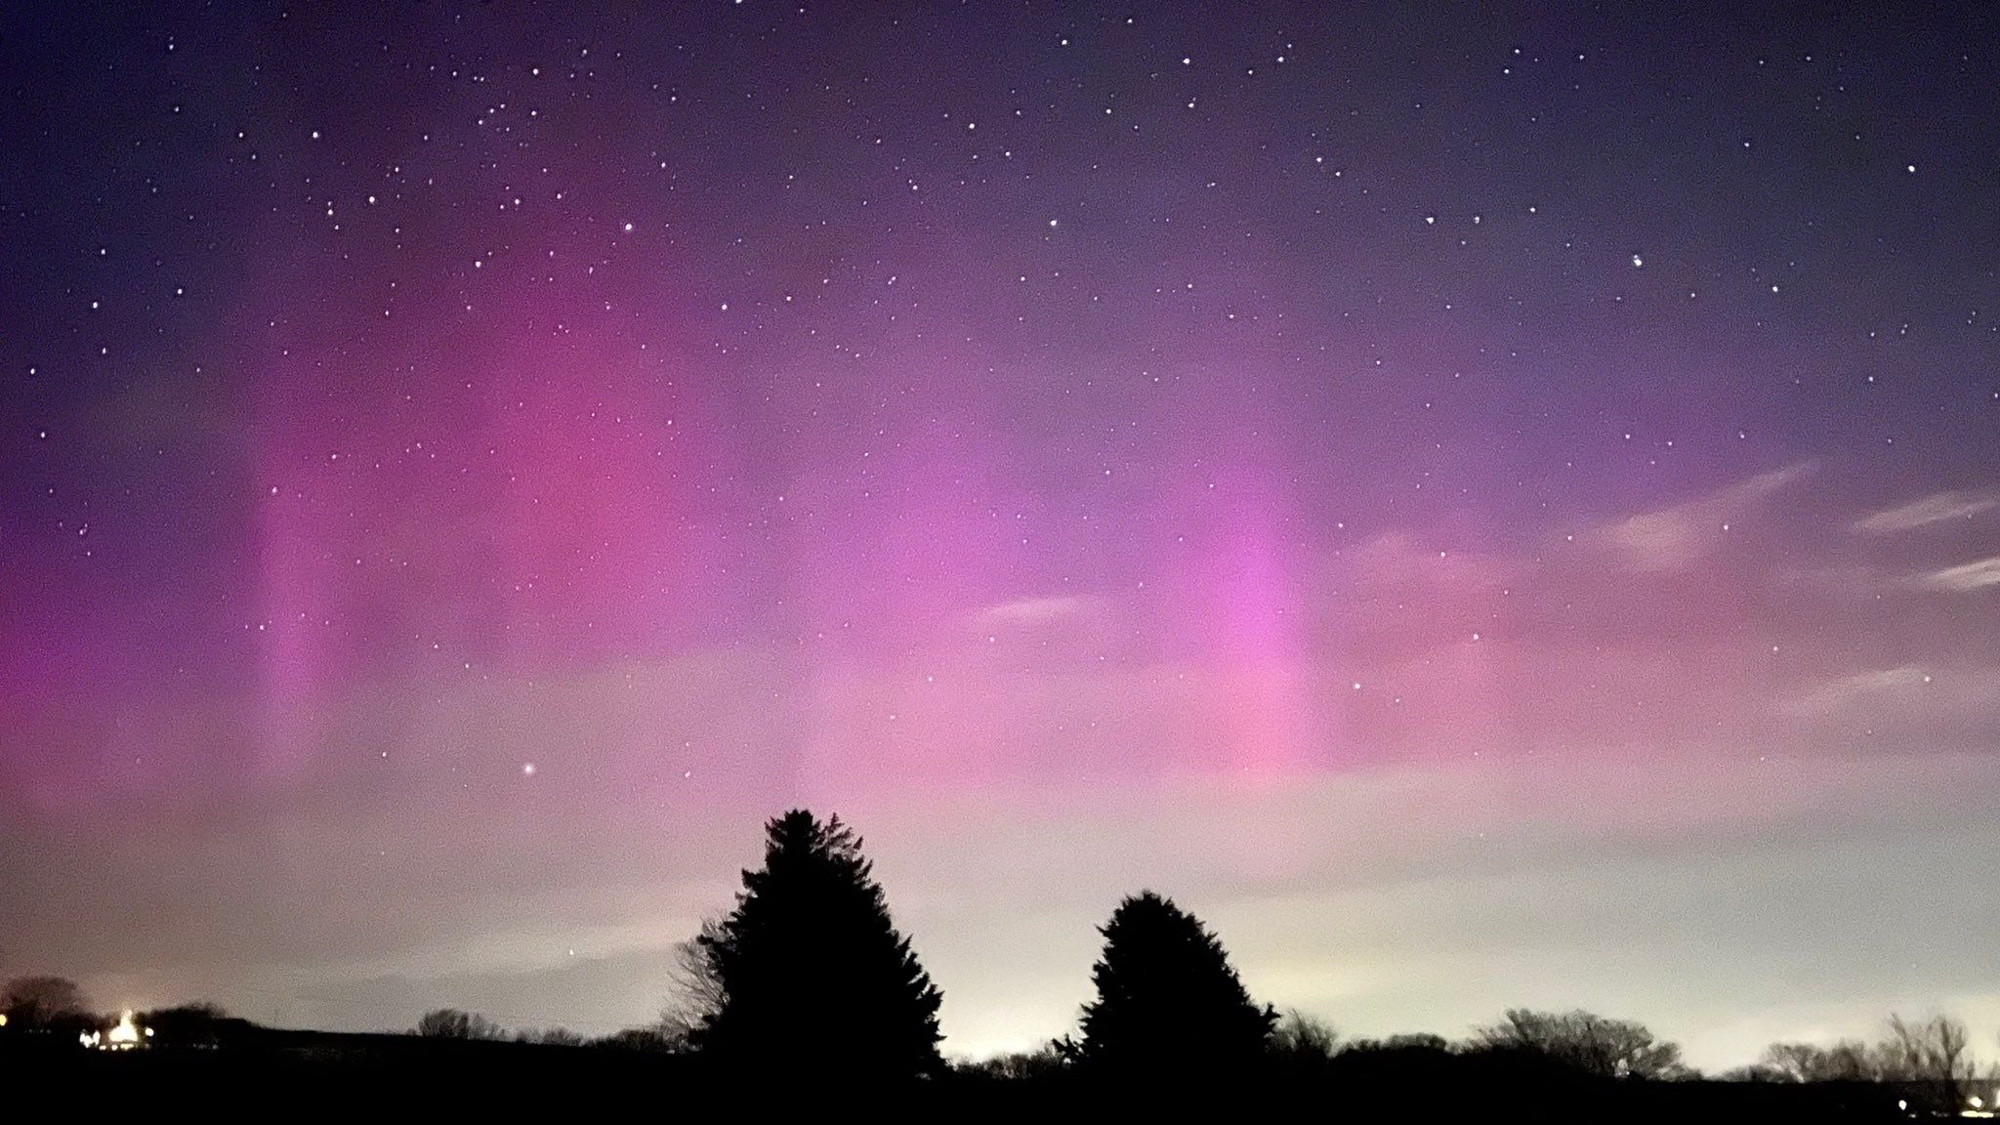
x=199 y=1025
x=549 y=1037
x=1020 y=1066
x=451 y=1023
x=646 y=1040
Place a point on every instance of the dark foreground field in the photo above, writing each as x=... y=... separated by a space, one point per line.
x=317 y=1075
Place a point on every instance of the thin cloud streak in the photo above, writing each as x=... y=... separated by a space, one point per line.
x=1674 y=538
x=1860 y=688
x=1964 y=578
x=1927 y=511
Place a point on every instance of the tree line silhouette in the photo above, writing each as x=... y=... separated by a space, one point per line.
x=808 y=978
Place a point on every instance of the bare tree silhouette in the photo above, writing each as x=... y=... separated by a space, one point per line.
x=1849 y=1060
x=1934 y=1054
x=40 y=1002
x=1303 y=1038
x=452 y=1023
x=694 y=991
x=1587 y=1041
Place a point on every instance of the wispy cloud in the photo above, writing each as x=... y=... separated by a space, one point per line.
x=1939 y=507
x=1964 y=578
x=1868 y=687
x=1035 y=611
x=1673 y=538
x=1397 y=561
x=1948 y=693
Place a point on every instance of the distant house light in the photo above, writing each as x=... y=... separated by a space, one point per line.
x=125 y=1035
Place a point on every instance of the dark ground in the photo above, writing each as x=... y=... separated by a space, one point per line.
x=315 y=1075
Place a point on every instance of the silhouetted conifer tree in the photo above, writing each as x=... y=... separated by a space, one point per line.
x=812 y=975
x=1167 y=999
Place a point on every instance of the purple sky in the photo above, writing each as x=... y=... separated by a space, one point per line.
x=1483 y=507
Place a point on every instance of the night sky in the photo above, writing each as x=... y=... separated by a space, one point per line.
x=1484 y=507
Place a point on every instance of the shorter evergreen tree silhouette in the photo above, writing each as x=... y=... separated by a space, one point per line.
x=1168 y=1001
x=811 y=976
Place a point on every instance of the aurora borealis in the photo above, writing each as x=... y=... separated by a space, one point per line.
x=1483 y=505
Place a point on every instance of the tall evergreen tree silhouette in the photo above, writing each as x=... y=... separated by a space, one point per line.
x=1167 y=999
x=812 y=975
